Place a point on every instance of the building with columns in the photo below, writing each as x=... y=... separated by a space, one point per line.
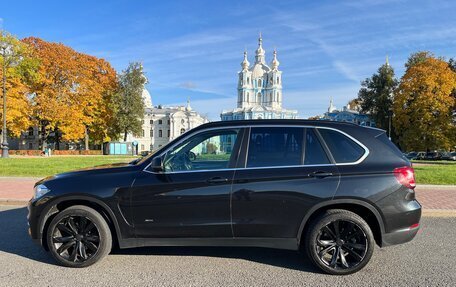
x=163 y=124
x=259 y=90
x=350 y=114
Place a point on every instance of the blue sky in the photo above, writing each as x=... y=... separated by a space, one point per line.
x=193 y=49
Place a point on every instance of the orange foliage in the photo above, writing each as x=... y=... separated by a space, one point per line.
x=73 y=92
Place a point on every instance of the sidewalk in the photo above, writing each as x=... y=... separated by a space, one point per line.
x=18 y=190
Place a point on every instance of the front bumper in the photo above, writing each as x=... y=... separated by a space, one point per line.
x=32 y=221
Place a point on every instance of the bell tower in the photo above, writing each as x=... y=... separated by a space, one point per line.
x=245 y=85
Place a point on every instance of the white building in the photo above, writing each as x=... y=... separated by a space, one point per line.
x=163 y=124
x=259 y=90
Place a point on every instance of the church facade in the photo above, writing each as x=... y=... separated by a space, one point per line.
x=259 y=90
x=347 y=114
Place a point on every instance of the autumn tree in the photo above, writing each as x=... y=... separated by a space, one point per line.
x=96 y=85
x=20 y=69
x=376 y=95
x=73 y=97
x=424 y=104
x=128 y=101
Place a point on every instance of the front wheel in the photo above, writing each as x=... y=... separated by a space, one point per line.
x=339 y=242
x=78 y=237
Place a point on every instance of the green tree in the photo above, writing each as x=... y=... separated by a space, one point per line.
x=417 y=58
x=424 y=105
x=128 y=102
x=376 y=95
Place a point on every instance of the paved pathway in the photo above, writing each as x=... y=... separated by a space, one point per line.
x=20 y=189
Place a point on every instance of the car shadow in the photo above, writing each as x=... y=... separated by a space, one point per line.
x=14 y=239
x=274 y=257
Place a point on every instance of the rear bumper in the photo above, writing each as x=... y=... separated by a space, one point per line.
x=402 y=221
x=399 y=236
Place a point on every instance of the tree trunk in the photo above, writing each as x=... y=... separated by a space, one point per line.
x=125 y=136
x=57 y=138
x=86 y=138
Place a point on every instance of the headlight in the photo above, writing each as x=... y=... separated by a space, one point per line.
x=40 y=190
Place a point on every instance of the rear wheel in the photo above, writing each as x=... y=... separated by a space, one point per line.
x=78 y=237
x=339 y=242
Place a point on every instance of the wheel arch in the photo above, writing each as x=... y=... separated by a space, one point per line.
x=362 y=208
x=98 y=205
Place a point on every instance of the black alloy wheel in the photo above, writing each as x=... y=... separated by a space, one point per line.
x=78 y=237
x=340 y=242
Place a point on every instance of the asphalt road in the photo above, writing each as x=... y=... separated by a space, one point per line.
x=429 y=260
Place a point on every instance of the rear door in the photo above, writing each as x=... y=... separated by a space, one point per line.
x=286 y=171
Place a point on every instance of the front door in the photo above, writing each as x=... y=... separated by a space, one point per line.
x=191 y=196
x=287 y=171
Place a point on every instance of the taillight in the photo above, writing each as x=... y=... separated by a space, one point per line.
x=406 y=176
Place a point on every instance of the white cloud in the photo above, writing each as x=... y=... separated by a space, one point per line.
x=345 y=70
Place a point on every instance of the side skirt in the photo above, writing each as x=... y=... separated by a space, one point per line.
x=279 y=243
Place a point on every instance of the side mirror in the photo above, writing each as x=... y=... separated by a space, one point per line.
x=156 y=164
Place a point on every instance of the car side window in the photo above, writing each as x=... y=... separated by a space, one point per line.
x=342 y=148
x=275 y=146
x=314 y=152
x=204 y=151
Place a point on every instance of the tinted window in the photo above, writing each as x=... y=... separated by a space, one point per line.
x=315 y=154
x=204 y=151
x=275 y=147
x=342 y=148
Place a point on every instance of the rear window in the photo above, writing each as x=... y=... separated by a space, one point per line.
x=342 y=148
x=384 y=139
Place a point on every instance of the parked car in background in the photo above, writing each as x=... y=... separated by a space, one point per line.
x=411 y=155
x=449 y=156
x=331 y=189
x=433 y=155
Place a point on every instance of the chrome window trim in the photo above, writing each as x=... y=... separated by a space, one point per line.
x=361 y=159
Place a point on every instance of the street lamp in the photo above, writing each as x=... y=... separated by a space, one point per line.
x=9 y=59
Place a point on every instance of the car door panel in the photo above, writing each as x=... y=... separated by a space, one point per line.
x=272 y=202
x=182 y=204
x=280 y=181
x=177 y=202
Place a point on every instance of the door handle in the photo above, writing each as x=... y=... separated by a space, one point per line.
x=320 y=174
x=217 y=180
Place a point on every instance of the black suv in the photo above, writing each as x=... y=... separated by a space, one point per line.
x=331 y=189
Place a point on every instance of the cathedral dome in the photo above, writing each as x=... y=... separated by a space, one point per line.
x=258 y=70
x=147 y=99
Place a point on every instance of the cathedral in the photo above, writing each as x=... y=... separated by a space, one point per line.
x=259 y=90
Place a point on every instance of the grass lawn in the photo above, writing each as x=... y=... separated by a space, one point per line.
x=45 y=166
x=426 y=172
x=435 y=173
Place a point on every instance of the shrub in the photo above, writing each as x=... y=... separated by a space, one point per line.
x=35 y=152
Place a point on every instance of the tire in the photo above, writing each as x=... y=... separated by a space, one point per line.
x=78 y=237
x=340 y=252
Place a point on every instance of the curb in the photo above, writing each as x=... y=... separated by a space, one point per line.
x=16 y=202
x=435 y=186
x=439 y=213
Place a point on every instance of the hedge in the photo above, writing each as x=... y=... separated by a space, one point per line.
x=35 y=152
